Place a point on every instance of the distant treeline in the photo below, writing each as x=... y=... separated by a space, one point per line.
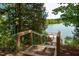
x=53 y=21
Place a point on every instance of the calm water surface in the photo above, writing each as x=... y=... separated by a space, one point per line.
x=65 y=31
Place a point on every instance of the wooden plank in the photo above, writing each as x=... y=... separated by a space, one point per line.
x=24 y=32
x=49 y=46
x=30 y=53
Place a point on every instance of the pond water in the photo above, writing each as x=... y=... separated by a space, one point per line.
x=65 y=30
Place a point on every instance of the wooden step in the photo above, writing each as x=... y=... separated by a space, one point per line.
x=28 y=53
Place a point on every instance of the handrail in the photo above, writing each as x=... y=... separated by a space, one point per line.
x=30 y=32
x=24 y=32
x=18 y=35
x=18 y=38
x=38 y=33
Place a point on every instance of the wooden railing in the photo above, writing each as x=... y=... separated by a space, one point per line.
x=30 y=32
x=18 y=36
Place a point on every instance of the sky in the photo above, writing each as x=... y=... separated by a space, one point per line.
x=49 y=8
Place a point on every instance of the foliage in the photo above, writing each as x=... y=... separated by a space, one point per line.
x=70 y=15
x=20 y=17
x=53 y=21
x=6 y=39
x=72 y=42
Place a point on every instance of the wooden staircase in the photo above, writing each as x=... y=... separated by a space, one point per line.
x=52 y=47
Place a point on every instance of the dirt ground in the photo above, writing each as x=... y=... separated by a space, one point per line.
x=64 y=51
x=69 y=51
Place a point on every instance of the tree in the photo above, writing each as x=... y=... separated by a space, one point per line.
x=21 y=17
x=70 y=14
x=29 y=16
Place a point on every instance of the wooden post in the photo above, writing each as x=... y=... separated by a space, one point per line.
x=18 y=38
x=41 y=39
x=17 y=43
x=58 y=44
x=30 y=35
